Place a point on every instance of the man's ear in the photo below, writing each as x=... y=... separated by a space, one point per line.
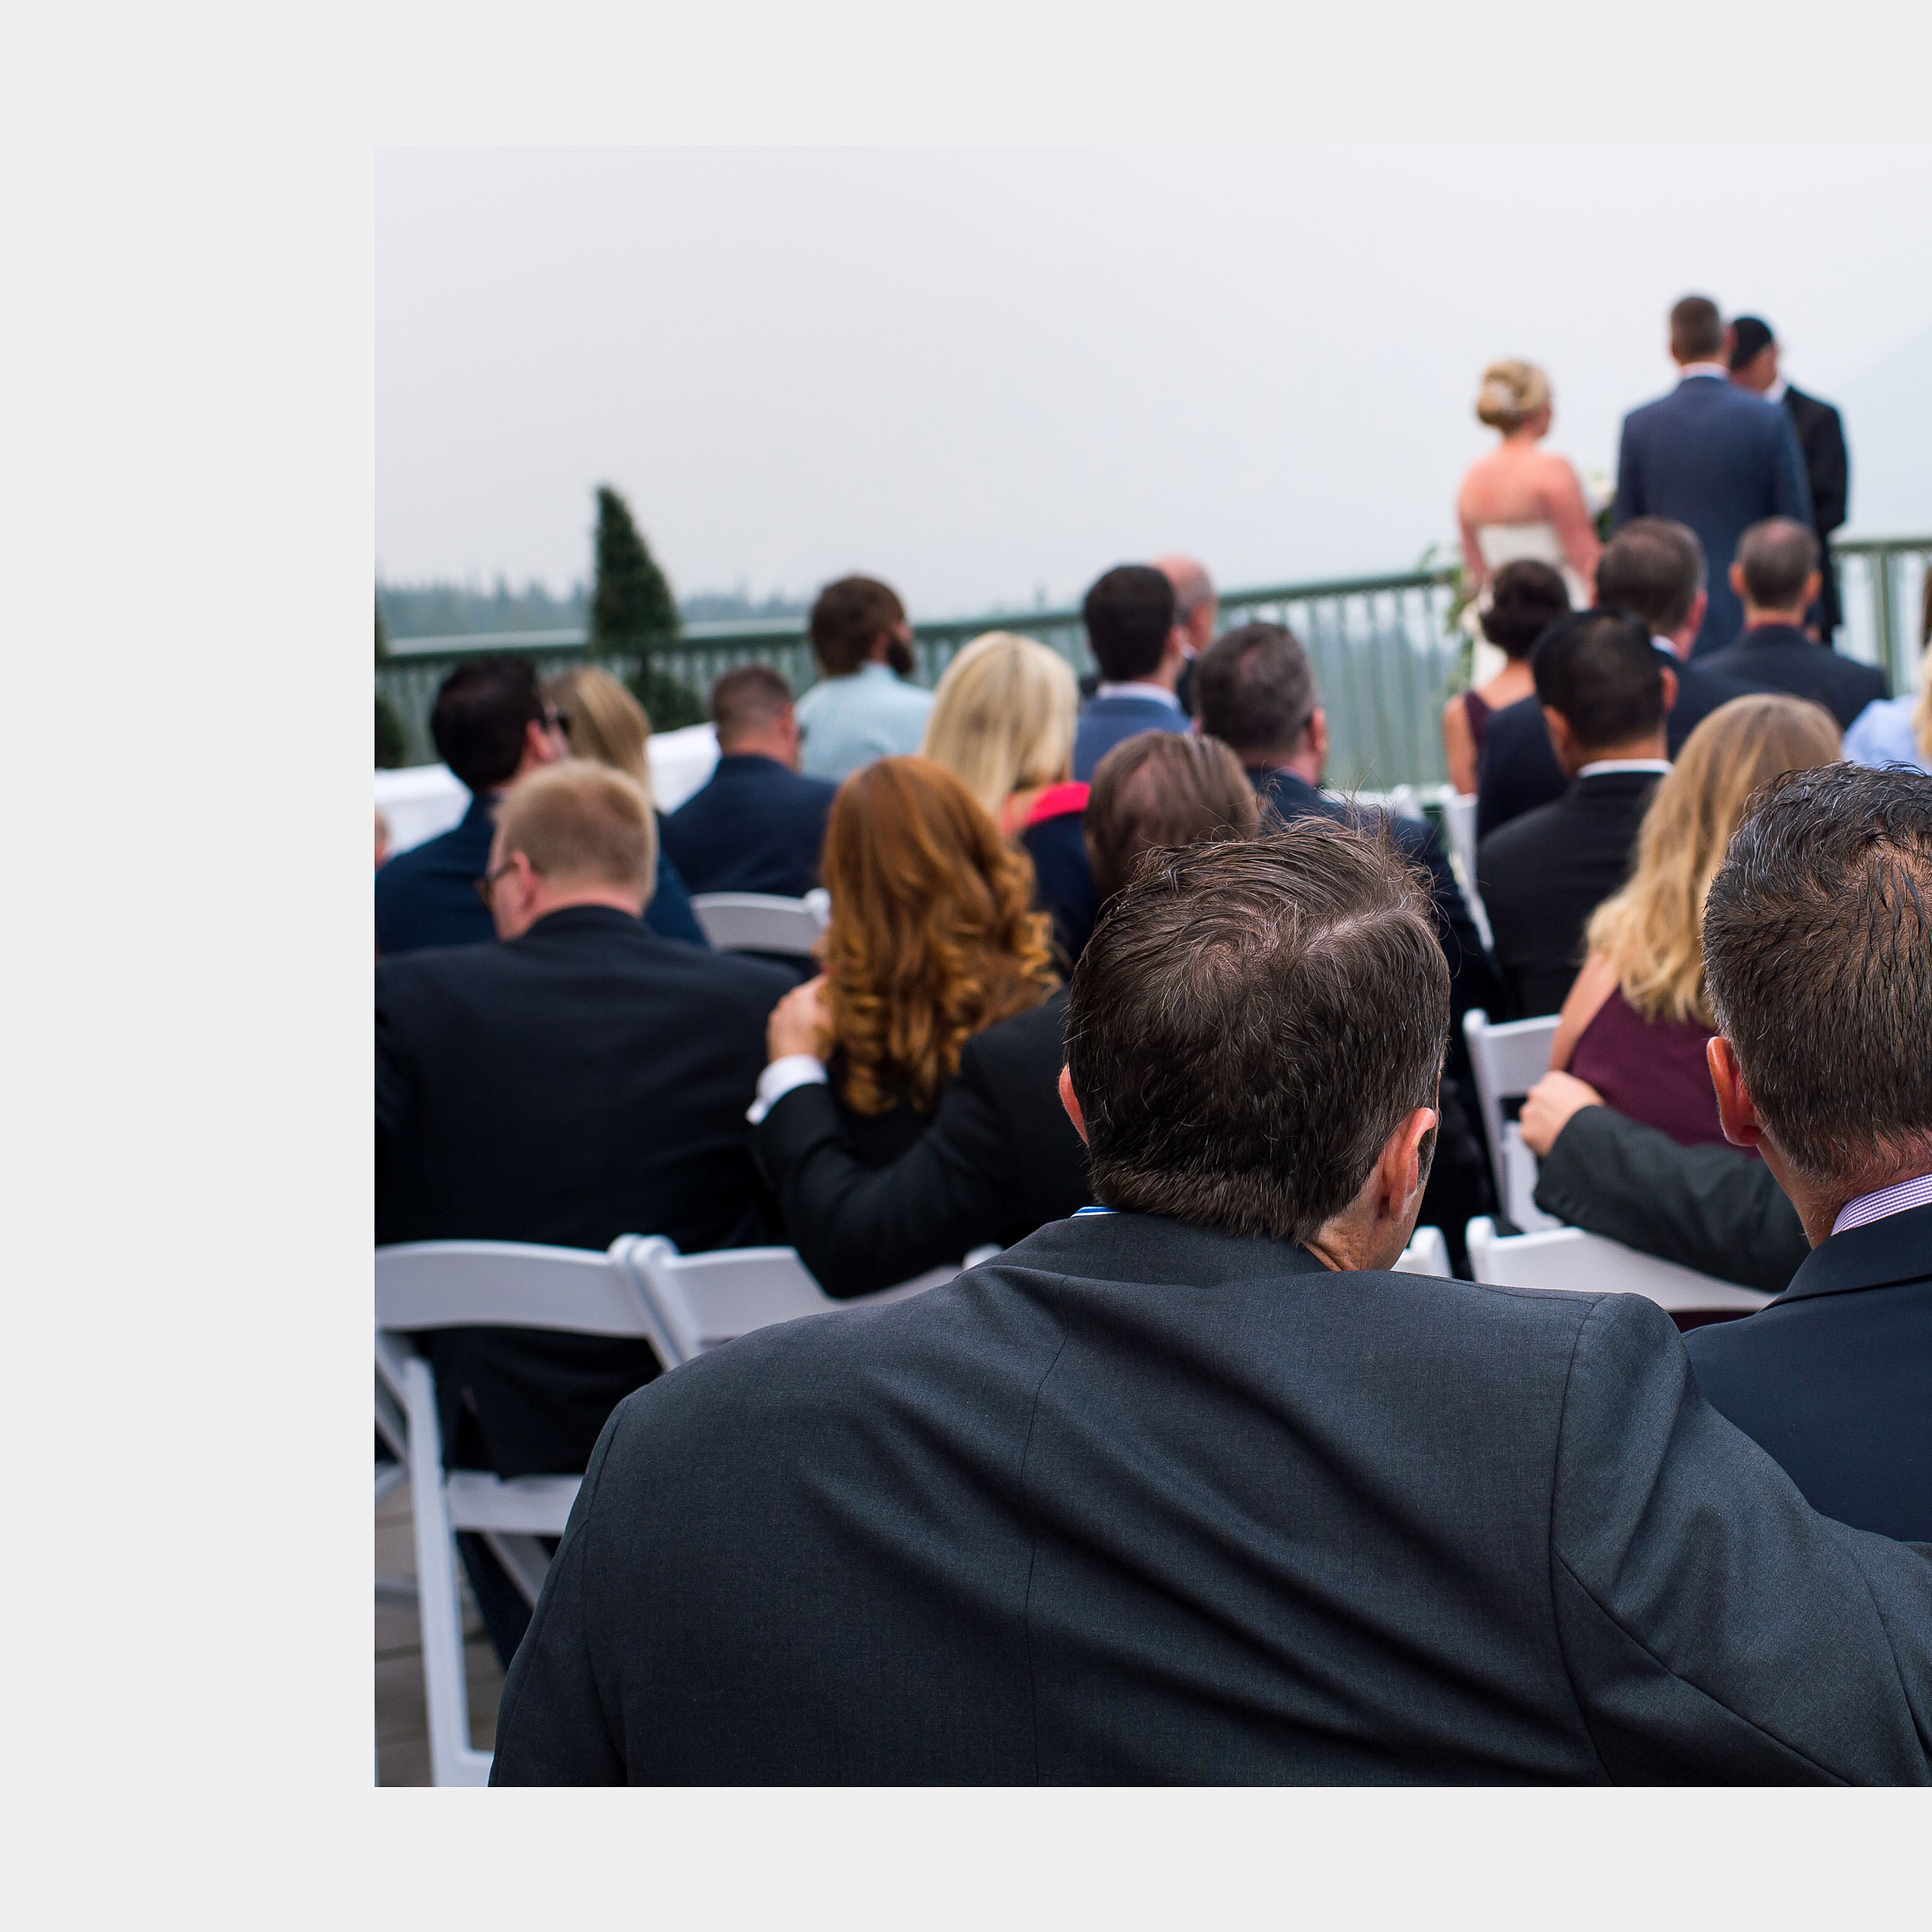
x=1070 y=1101
x=1557 y=726
x=1737 y=1115
x=1694 y=618
x=1814 y=584
x=1669 y=689
x=1399 y=1171
x=1737 y=579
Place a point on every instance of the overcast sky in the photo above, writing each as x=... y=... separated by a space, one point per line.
x=988 y=373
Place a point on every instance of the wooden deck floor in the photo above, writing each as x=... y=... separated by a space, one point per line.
x=402 y=1738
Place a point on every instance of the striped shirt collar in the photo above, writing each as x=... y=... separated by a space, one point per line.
x=1886 y=1200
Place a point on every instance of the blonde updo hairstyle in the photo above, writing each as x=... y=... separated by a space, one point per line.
x=1511 y=393
x=1002 y=718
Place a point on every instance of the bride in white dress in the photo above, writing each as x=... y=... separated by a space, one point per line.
x=1518 y=502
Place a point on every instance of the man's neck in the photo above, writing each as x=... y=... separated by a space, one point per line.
x=1703 y=367
x=1302 y=764
x=1819 y=1202
x=755 y=748
x=1755 y=620
x=1645 y=751
x=564 y=897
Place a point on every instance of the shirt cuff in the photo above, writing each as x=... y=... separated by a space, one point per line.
x=780 y=1078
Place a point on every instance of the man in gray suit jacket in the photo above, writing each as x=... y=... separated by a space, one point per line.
x=1190 y=1488
x=1710 y=456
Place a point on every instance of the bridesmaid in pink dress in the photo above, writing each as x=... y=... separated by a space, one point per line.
x=1634 y=1026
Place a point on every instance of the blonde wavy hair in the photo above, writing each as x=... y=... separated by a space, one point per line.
x=1002 y=718
x=931 y=937
x=606 y=724
x=1511 y=393
x=1651 y=933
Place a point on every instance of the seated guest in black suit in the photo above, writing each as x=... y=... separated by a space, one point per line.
x=1777 y=575
x=1192 y=1488
x=757 y=824
x=1255 y=691
x=1818 y=950
x=1002 y=724
x=1137 y=639
x=604 y=722
x=1717 y=1210
x=1000 y=1157
x=583 y=1079
x=491 y=726
x=1654 y=569
x=1604 y=691
x=931 y=940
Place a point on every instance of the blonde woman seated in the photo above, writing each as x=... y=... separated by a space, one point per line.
x=605 y=723
x=1002 y=723
x=931 y=940
x=1635 y=1025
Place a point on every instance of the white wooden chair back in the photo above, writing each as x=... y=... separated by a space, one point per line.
x=1580 y=1263
x=1427 y=1253
x=1508 y=1060
x=759 y=922
x=474 y=1284
x=702 y=1301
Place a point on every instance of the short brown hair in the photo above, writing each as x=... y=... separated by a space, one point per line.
x=849 y=618
x=581 y=820
x=1818 y=958
x=1161 y=790
x=747 y=699
x=1253 y=689
x=1654 y=568
x=1250 y=1022
x=1775 y=557
x=1697 y=330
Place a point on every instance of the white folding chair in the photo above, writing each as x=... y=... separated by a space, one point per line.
x=758 y=922
x=703 y=1301
x=1458 y=823
x=1570 y=1259
x=1427 y=1253
x=1508 y=1060
x=471 y=1284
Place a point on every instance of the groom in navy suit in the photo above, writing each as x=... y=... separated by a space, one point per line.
x=1710 y=456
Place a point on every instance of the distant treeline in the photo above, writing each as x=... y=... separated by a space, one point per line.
x=450 y=609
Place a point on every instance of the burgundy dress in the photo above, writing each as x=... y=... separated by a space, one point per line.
x=1651 y=1070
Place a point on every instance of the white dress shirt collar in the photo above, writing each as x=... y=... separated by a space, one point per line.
x=1776 y=392
x=1601 y=766
x=1716 y=369
x=1135 y=687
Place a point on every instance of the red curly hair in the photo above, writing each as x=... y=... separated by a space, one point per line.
x=931 y=937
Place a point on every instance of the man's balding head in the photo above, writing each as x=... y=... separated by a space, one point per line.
x=1777 y=572
x=1197 y=610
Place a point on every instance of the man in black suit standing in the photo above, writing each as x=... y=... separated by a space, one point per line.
x=1605 y=689
x=1753 y=366
x=1191 y=1487
x=580 y=1079
x=1000 y=1157
x=758 y=824
x=1711 y=456
x=1136 y=634
x=1654 y=569
x=1777 y=575
x=1818 y=954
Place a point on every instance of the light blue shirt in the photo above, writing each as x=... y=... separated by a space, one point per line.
x=1882 y=734
x=849 y=721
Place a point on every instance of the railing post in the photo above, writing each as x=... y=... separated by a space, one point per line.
x=1878 y=561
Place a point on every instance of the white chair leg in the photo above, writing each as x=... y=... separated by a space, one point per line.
x=453 y=1759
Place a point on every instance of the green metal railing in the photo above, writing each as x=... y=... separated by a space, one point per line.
x=1384 y=654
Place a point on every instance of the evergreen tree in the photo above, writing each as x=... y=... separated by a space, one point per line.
x=632 y=612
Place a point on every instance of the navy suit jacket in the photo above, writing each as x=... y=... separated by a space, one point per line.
x=1711 y=456
x=1782 y=658
x=1139 y=1502
x=756 y=826
x=1834 y=1378
x=1104 y=721
x=426 y=896
x=1519 y=770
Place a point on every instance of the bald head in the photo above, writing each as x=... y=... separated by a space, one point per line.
x=1197 y=610
x=1777 y=572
